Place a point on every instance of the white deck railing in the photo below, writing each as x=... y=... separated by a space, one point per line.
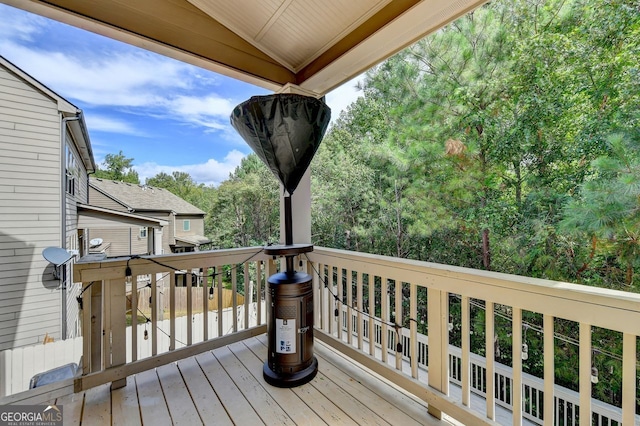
x=348 y=288
x=566 y=400
x=354 y=282
x=112 y=350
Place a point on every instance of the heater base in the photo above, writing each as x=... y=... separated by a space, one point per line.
x=290 y=380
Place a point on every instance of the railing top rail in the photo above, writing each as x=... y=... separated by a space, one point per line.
x=114 y=268
x=612 y=309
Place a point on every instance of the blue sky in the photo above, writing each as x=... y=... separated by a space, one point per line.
x=165 y=114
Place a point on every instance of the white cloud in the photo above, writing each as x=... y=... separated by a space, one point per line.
x=340 y=98
x=210 y=111
x=19 y=25
x=122 y=79
x=107 y=124
x=210 y=105
x=213 y=172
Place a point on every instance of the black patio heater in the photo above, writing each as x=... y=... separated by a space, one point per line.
x=285 y=130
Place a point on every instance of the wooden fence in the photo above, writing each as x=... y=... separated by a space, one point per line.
x=144 y=295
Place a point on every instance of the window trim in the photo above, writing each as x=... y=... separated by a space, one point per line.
x=186 y=225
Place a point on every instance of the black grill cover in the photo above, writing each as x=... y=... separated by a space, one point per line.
x=284 y=130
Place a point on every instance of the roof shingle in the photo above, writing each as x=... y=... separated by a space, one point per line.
x=143 y=197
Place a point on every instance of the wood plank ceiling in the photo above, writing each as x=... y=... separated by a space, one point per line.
x=316 y=45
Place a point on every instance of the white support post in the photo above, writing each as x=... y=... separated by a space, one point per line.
x=133 y=300
x=491 y=356
x=360 y=306
x=248 y=294
x=398 y=320
x=584 y=374
x=549 y=369
x=629 y=373
x=437 y=316
x=339 y=304
x=413 y=315
x=300 y=211
x=189 y=277
x=516 y=387
x=93 y=301
x=157 y=241
x=117 y=325
x=259 y=292
x=219 y=291
x=154 y=314
x=234 y=296
x=384 y=314
x=205 y=302
x=151 y=246
x=466 y=351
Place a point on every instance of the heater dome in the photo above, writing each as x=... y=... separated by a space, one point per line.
x=284 y=130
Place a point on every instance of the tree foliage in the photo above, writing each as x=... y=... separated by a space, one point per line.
x=118 y=167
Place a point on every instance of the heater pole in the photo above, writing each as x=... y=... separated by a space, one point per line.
x=288 y=230
x=288 y=221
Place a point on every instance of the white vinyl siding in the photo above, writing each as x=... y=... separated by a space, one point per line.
x=30 y=212
x=196 y=225
x=80 y=195
x=124 y=241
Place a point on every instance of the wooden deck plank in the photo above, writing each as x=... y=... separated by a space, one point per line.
x=359 y=412
x=330 y=412
x=153 y=407
x=72 y=408
x=205 y=399
x=232 y=399
x=297 y=409
x=262 y=402
x=327 y=410
x=97 y=405
x=124 y=404
x=393 y=406
x=179 y=402
x=226 y=387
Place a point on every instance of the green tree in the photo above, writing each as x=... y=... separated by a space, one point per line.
x=182 y=185
x=246 y=208
x=118 y=167
x=608 y=209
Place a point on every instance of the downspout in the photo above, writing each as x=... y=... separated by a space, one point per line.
x=63 y=195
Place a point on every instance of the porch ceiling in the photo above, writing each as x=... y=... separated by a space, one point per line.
x=271 y=43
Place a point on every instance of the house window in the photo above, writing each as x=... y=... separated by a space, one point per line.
x=71 y=172
x=143 y=232
x=186 y=225
x=70 y=184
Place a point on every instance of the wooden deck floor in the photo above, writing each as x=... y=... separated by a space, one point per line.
x=226 y=387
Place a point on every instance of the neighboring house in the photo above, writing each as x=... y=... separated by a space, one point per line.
x=45 y=158
x=183 y=233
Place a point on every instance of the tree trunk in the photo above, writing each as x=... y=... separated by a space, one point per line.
x=486 y=250
x=518 y=172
